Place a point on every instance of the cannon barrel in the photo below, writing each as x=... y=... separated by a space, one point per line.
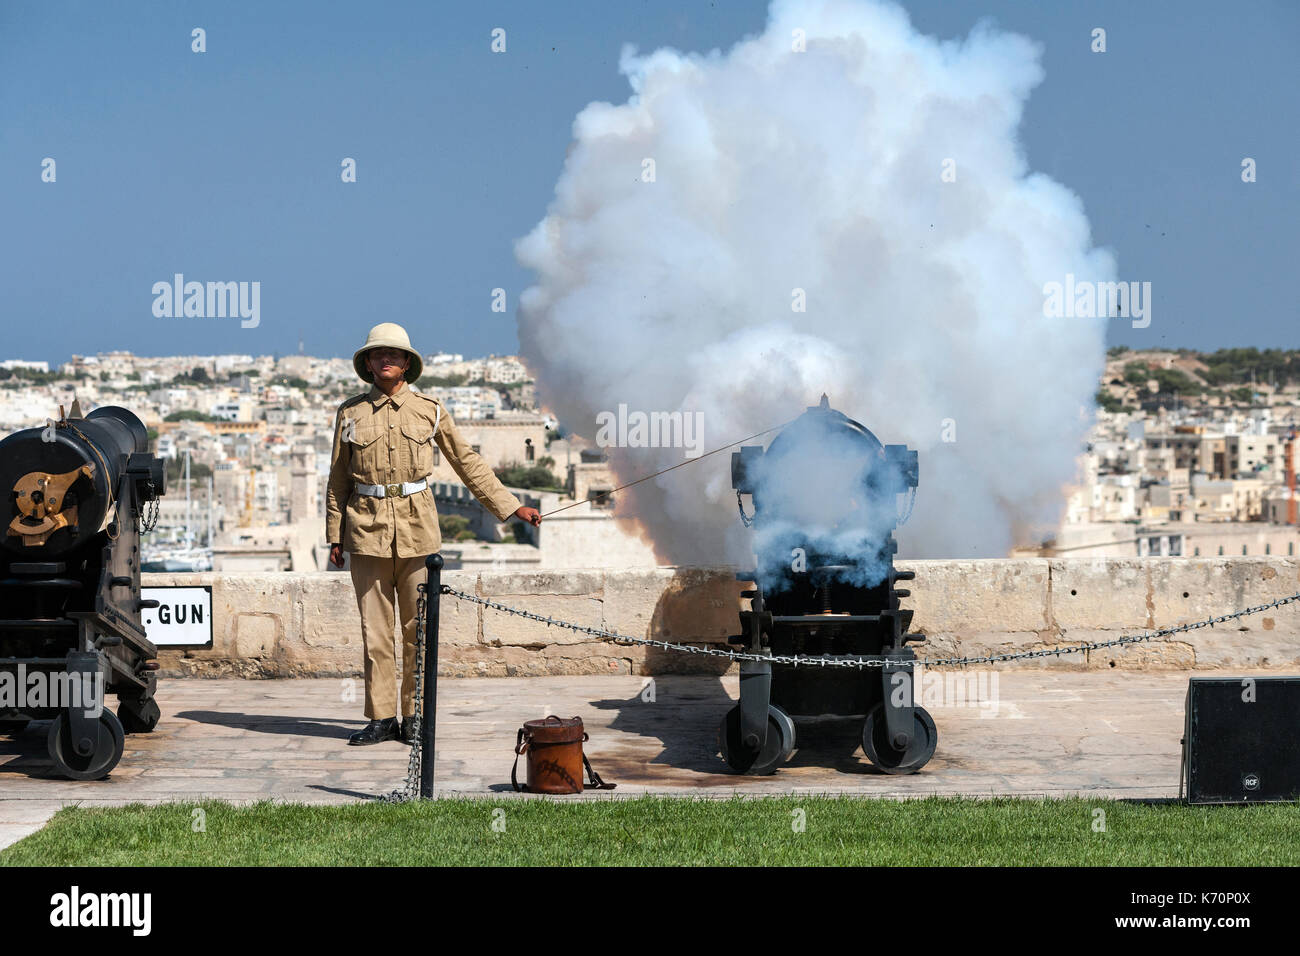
x=826 y=485
x=62 y=482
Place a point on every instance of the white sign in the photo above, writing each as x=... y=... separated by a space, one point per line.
x=183 y=617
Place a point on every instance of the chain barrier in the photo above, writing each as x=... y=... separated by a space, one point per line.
x=864 y=661
x=411 y=789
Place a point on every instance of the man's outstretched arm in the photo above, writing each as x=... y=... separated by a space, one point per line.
x=477 y=476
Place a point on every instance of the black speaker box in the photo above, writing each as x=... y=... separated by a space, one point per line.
x=1241 y=743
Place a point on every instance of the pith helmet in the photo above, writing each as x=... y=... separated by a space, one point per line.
x=388 y=335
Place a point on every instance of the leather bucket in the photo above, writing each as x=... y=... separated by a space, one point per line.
x=553 y=747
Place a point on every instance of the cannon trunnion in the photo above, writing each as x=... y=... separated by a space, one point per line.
x=72 y=502
x=825 y=497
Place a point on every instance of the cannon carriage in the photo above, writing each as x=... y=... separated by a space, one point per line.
x=825 y=496
x=75 y=497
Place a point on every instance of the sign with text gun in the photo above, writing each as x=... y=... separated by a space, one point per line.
x=183 y=617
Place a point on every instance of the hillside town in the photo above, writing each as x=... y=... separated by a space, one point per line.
x=247 y=440
x=1190 y=455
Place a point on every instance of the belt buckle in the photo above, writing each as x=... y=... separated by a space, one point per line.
x=393 y=491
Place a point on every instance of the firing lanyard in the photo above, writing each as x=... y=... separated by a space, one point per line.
x=604 y=494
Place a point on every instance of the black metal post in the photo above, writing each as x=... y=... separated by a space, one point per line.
x=433 y=563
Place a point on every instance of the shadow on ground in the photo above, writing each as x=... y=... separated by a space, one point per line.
x=33 y=755
x=275 y=723
x=680 y=724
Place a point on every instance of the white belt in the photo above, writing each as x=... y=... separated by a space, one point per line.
x=399 y=490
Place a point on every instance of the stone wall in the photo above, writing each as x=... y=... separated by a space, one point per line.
x=306 y=624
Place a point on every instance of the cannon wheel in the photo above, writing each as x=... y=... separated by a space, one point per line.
x=13 y=727
x=774 y=752
x=96 y=765
x=876 y=745
x=139 y=716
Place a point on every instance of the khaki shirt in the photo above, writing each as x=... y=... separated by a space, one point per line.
x=379 y=441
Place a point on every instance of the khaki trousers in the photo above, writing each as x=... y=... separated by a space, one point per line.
x=377 y=580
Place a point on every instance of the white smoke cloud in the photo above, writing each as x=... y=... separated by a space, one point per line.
x=777 y=170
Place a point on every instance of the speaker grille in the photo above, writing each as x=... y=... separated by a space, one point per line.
x=1238 y=749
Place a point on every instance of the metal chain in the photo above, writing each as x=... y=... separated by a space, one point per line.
x=861 y=662
x=147 y=519
x=911 y=503
x=745 y=519
x=411 y=789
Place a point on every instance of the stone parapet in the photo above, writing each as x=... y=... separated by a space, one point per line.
x=292 y=624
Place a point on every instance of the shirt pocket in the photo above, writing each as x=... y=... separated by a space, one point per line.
x=418 y=436
x=367 y=452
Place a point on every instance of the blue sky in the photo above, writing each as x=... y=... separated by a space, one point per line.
x=225 y=165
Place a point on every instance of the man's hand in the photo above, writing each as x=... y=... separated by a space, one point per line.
x=336 y=555
x=531 y=515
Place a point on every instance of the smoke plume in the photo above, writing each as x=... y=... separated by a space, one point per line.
x=837 y=205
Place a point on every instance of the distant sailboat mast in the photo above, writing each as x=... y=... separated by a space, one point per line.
x=189 y=535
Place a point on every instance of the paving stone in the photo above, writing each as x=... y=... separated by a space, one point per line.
x=1100 y=733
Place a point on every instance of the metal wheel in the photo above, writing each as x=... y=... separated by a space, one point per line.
x=13 y=728
x=139 y=716
x=105 y=750
x=876 y=745
x=774 y=752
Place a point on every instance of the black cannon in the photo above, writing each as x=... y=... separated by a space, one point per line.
x=75 y=495
x=825 y=497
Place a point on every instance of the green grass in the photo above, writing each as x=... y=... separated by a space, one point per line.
x=665 y=831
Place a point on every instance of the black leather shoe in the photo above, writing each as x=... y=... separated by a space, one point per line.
x=408 y=730
x=376 y=732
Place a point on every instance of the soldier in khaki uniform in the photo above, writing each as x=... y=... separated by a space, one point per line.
x=379 y=508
